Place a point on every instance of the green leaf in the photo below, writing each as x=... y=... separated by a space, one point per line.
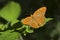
x=28 y=29
x=48 y=19
x=9 y=35
x=2 y=26
x=11 y=12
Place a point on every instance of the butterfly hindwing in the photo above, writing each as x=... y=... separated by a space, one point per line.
x=30 y=21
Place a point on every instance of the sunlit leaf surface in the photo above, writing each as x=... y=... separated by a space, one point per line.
x=9 y=35
x=11 y=12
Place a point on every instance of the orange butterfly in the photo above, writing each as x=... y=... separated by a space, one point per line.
x=37 y=19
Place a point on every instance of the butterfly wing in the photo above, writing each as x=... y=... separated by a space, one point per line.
x=30 y=21
x=26 y=20
x=37 y=19
x=40 y=12
x=39 y=16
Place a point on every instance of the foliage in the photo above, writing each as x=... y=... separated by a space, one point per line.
x=10 y=13
x=9 y=35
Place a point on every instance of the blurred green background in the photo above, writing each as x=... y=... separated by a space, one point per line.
x=51 y=31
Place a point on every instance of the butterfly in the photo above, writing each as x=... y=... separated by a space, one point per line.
x=37 y=19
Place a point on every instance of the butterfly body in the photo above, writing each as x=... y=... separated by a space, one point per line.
x=37 y=19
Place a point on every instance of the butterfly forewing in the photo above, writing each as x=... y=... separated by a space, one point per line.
x=40 y=12
x=39 y=16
